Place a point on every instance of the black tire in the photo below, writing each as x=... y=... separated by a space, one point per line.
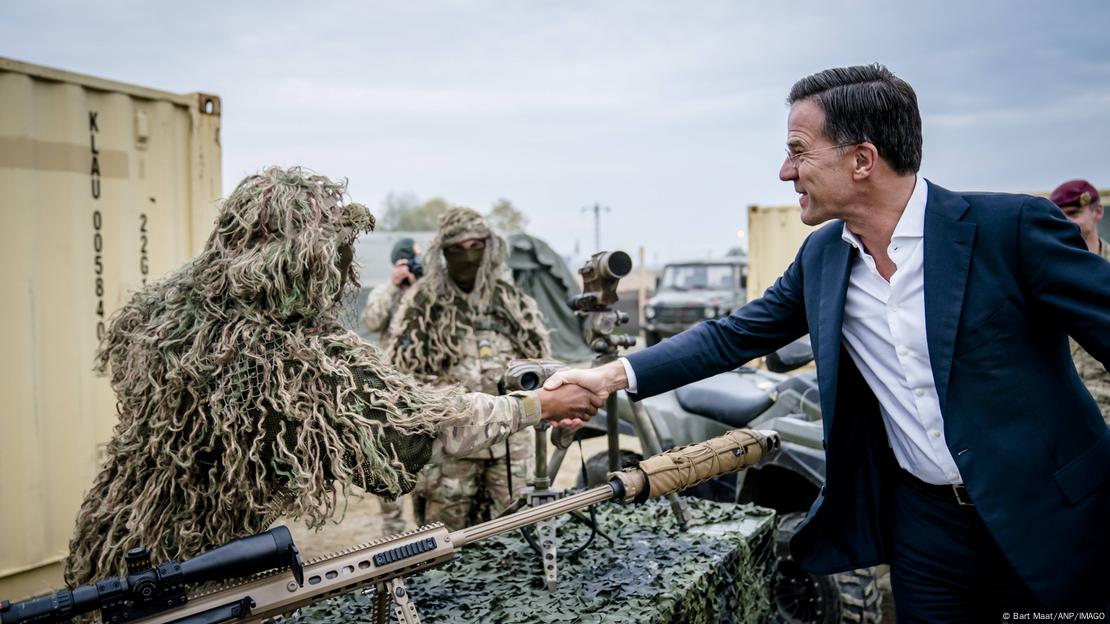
x=799 y=597
x=597 y=468
x=651 y=338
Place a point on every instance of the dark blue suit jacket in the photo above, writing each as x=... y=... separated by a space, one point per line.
x=1007 y=279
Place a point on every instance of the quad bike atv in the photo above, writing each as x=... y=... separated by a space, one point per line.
x=789 y=483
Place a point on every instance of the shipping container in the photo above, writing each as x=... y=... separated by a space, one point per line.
x=775 y=233
x=104 y=186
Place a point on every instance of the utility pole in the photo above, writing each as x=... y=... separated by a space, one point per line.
x=596 y=208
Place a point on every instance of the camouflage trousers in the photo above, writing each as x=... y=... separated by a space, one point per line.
x=464 y=492
x=393 y=516
x=1094 y=376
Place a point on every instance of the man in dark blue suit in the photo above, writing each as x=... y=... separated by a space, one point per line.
x=962 y=447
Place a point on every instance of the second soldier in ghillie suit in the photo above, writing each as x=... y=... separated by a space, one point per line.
x=241 y=399
x=462 y=323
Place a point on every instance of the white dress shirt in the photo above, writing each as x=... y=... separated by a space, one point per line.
x=884 y=333
x=630 y=374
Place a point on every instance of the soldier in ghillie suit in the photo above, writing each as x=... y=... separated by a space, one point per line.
x=462 y=323
x=241 y=399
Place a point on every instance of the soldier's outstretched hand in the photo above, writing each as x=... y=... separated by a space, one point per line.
x=568 y=405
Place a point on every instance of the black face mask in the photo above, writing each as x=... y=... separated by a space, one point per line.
x=463 y=265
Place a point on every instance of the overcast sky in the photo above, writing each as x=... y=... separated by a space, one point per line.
x=670 y=113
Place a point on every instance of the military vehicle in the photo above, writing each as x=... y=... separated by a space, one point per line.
x=688 y=293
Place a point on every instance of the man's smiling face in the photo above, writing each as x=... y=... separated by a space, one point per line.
x=820 y=169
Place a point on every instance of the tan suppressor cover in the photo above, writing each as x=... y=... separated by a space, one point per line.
x=687 y=466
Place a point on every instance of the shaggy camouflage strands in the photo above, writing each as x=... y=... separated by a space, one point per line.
x=433 y=323
x=239 y=397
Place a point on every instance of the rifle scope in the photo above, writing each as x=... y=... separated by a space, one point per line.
x=600 y=275
x=147 y=589
x=609 y=264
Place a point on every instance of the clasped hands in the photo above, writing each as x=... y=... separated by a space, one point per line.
x=572 y=396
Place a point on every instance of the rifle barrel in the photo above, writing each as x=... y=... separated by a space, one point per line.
x=531 y=515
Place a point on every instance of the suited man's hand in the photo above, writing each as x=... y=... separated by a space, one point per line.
x=603 y=380
x=568 y=405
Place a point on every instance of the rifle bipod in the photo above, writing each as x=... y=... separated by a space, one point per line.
x=394 y=592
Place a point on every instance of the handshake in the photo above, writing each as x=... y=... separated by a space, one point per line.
x=568 y=397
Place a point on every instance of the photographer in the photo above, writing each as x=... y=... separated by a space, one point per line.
x=384 y=298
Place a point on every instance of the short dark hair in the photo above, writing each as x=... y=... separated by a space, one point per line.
x=867 y=103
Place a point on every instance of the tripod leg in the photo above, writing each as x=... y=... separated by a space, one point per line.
x=649 y=438
x=612 y=422
x=556 y=462
x=543 y=477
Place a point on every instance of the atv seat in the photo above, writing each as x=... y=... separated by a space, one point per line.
x=728 y=398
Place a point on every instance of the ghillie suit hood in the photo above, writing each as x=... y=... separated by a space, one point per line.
x=240 y=398
x=428 y=337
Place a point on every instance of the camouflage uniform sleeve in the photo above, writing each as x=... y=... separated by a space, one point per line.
x=1094 y=375
x=379 y=304
x=485 y=420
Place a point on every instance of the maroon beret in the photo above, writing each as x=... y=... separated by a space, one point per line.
x=1075 y=193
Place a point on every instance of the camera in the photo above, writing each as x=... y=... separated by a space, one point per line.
x=416 y=267
x=405 y=249
x=526 y=375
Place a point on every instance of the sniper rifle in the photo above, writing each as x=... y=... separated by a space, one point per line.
x=263 y=576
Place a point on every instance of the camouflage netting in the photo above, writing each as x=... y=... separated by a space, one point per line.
x=428 y=335
x=240 y=399
x=719 y=571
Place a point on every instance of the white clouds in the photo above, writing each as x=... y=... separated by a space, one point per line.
x=670 y=112
x=1073 y=107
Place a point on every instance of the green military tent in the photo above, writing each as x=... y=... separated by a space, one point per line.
x=541 y=273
